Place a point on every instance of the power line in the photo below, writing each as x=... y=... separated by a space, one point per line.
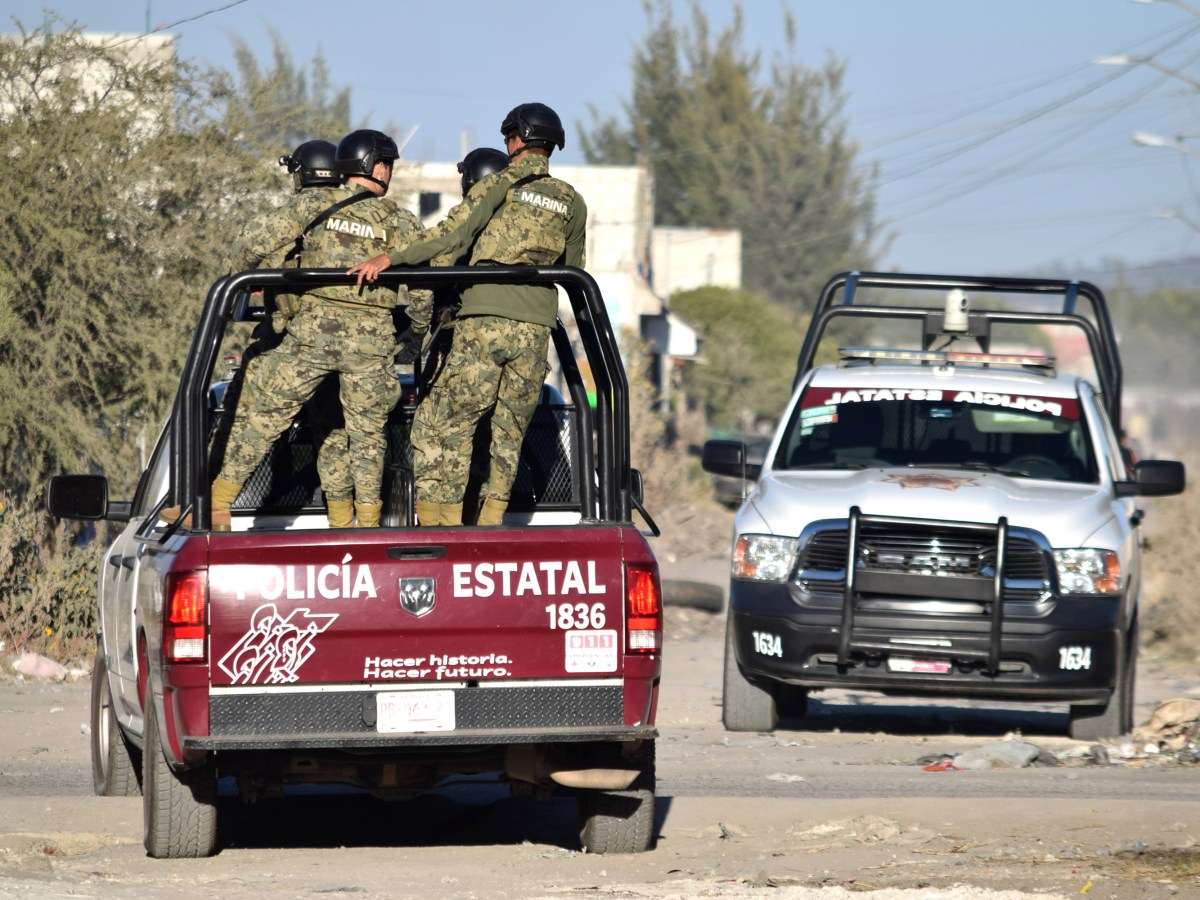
x=198 y=16
x=1018 y=164
x=1038 y=113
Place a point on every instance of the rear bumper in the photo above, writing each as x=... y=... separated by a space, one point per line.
x=256 y=719
x=1069 y=651
x=372 y=741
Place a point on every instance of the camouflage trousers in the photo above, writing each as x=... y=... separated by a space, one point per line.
x=324 y=413
x=495 y=365
x=323 y=338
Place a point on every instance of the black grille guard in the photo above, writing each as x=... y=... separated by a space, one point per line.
x=982 y=589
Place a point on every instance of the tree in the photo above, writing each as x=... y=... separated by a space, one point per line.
x=730 y=150
x=124 y=180
x=280 y=106
x=748 y=355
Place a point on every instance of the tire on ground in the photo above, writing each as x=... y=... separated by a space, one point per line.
x=746 y=706
x=116 y=764
x=1114 y=718
x=621 y=821
x=179 y=808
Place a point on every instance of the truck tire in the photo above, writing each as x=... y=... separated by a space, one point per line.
x=745 y=706
x=179 y=808
x=116 y=764
x=693 y=594
x=620 y=821
x=1114 y=718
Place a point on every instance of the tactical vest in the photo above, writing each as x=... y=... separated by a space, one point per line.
x=530 y=228
x=349 y=236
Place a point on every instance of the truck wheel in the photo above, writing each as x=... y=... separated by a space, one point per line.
x=745 y=705
x=1114 y=718
x=620 y=821
x=179 y=808
x=116 y=764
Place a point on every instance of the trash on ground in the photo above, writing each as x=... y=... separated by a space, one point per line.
x=34 y=665
x=1173 y=726
x=1004 y=755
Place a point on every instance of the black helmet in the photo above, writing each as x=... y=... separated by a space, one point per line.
x=479 y=163
x=311 y=164
x=360 y=150
x=536 y=124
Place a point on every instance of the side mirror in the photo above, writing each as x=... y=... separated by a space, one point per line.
x=636 y=491
x=78 y=496
x=637 y=487
x=1154 y=478
x=728 y=458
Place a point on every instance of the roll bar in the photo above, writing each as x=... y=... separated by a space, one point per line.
x=606 y=428
x=839 y=298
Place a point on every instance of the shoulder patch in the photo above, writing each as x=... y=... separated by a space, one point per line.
x=356 y=229
x=533 y=198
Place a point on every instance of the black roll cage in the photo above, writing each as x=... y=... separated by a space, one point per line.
x=839 y=295
x=604 y=449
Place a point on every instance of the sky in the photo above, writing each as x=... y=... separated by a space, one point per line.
x=1000 y=145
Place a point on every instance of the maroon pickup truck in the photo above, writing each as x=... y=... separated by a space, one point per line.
x=392 y=659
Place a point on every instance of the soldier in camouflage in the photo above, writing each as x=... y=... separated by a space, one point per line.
x=443 y=304
x=519 y=216
x=310 y=165
x=340 y=329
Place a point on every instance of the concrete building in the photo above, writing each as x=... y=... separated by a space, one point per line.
x=98 y=77
x=688 y=258
x=636 y=264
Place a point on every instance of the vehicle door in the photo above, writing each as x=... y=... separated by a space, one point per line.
x=119 y=586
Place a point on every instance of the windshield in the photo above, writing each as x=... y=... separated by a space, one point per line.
x=1021 y=435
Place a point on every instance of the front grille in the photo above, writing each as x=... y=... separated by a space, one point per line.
x=926 y=551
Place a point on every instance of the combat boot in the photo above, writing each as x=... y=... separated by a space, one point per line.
x=428 y=512
x=492 y=512
x=171 y=513
x=340 y=513
x=369 y=514
x=223 y=494
x=451 y=514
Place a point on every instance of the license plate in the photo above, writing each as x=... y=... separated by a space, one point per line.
x=921 y=666
x=407 y=712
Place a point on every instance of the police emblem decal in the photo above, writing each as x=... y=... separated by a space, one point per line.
x=417 y=595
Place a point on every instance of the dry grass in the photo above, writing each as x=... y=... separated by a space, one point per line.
x=1176 y=865
x=1170 y=603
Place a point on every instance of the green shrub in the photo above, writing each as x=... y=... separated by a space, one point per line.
x=47 y=585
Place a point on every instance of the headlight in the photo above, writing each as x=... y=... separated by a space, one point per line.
x=763 y=557
x=1086 y=571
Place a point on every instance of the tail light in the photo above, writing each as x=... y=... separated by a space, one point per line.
x=643 y=597
x=185 y=631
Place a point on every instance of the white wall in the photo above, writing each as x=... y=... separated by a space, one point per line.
x=620 y=207
x=689 y=258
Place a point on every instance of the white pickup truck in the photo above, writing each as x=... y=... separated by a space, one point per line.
x=935 y=516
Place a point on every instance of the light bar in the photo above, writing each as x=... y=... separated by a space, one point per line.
x=946 y=357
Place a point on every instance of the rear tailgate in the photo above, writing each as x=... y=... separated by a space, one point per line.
x=454 y=635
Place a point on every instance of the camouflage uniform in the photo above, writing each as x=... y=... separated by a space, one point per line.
x=329 y=435
x=422 y=305
x=520 y=216
x=337 y=330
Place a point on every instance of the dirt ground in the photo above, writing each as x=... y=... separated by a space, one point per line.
x=835 y=804
x=840 y=809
